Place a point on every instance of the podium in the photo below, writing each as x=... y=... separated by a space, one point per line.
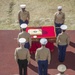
x=47 y=32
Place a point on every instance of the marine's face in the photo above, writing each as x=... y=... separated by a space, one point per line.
x=23 y=9
x=59 y=9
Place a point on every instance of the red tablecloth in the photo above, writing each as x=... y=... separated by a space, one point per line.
x=47 y=32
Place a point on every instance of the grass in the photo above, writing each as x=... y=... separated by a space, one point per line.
x=41 y=12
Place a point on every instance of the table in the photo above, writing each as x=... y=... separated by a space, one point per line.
x=47 y=32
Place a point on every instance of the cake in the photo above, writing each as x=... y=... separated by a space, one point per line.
x=35 y=31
